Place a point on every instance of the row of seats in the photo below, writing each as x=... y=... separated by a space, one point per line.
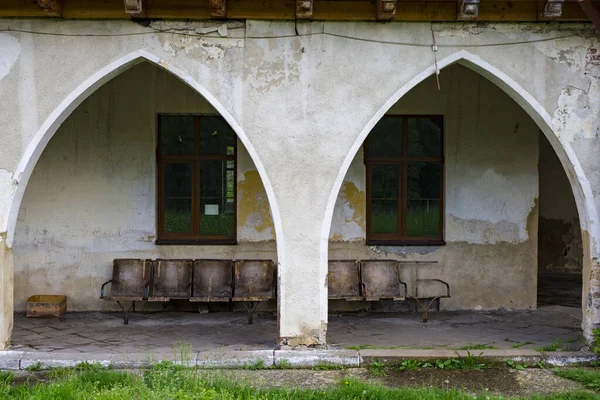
x=253 y=281
x=161 y=280
x=374 y=280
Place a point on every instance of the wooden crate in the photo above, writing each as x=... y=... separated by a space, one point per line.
x=46 y=305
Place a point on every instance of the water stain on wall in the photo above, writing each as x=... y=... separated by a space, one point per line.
x=253 y=204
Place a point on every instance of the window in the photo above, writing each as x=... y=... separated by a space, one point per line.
x=196 y=157
x=404 y=161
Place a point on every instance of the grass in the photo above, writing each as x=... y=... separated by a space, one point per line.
x=479 y=346
x=372 y=347
x=168 y=381
x=517 y=345
x=554 y=346
x=590 y=378
x=326 y=366
x=596 y=335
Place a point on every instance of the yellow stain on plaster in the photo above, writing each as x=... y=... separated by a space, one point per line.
x=336 y=238
x=356 y=200
x=252 y=199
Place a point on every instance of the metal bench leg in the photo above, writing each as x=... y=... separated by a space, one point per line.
x=125 y=311
x=251 y=308
x=425 y=309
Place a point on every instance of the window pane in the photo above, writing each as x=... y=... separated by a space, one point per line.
x=178 y=198
x=425 y=137
x=216 y=198
x=384 y=198
x=216 y=136
x=423 y=191
x=176 y=134
x=384 y=216
x=384 y=181
x=424 y=180
x=385 y=140
x=423 y=218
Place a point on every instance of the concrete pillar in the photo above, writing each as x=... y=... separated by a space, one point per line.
x=302 y=272
x=302 y=310
x=6 y=294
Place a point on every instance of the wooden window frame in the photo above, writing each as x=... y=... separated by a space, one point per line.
x=193 y=238
x=402 y=239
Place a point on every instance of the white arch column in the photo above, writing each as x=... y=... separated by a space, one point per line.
x=6 y=294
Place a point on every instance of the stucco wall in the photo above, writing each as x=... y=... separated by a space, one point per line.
x=92 y=197
x=93 y=194
x=491 y=193
x=559 y=244
x=302 y=97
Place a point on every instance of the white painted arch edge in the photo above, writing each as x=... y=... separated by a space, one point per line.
x=582 y=191
x=37 y=145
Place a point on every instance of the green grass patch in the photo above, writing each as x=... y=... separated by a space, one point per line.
x=372 y=347
x=479 y=346
x=168 y=381
x=590 y=378
x=517 y=345
x=554 y=346
x=326 y=366
x=596 y=336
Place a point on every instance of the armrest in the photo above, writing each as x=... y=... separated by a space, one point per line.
x=102 y=288
x=437 y=280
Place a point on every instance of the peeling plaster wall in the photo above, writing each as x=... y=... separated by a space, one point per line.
x=302 y=105
x=92 y=196
x=491 y=192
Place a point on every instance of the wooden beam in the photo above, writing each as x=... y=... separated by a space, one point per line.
x=386 y=9
x=304 y=9
x=218 y=8
x=50 y=8
x=592 y=13
x=468 y=10
x=336 y=10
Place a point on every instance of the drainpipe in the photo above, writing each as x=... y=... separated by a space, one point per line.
x=592 y=13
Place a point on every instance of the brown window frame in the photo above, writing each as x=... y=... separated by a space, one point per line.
x=194 y=238
x=402 y=239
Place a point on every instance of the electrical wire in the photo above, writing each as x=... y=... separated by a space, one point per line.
x=337 y=35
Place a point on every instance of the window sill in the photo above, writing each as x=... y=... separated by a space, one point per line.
x=195 y=242
x=381 y=242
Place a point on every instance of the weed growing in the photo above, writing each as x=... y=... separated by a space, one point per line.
x=554 y=346
x=479 y=346
x=590 y=378
x=518 y=345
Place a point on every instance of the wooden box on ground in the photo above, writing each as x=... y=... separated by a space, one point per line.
x=46 y=305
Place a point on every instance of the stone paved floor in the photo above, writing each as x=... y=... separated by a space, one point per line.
x=157 y=333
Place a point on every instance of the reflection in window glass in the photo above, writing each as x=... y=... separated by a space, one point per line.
x=384 y=216
x=216 y=136
x=178 y=198
x=423 y=194
x=216 y=198
x=177 y=134
x=385 y=140
x=384 y=198
x=425 y=137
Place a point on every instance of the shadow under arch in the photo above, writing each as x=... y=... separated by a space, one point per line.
x=39 y=142
x=582 y=191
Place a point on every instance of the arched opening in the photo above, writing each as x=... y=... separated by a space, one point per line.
x=459 y=194
x=144 y=167
x=560 y=246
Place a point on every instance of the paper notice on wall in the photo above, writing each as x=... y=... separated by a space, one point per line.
x=211 y=209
